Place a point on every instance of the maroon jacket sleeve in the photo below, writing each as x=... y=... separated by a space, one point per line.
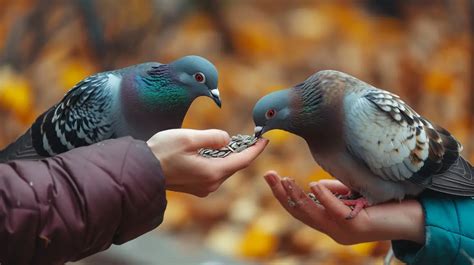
x=78 y=203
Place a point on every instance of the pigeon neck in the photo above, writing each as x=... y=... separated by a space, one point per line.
x=158 y=91
x=322 y=129
x=152 y=104
x=324 y=141
x=168 y=103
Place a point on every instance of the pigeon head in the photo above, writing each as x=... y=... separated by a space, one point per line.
x=272 y=112
x=303 y=109
x=198 y=75
x=163 y=93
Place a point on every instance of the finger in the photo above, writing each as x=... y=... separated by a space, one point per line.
x=274 y=182
x=237 y=161
x=295 y=193
x=335 y=186
x=211 y=138
x=304 y=208
x=333 y=205
x=309 y=213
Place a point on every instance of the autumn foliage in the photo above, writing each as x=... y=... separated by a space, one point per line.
x=420 y=51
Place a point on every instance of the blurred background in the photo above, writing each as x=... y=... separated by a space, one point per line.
x=421 y=50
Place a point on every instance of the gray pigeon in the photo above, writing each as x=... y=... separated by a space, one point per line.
x=136 y=101
x=367 y=138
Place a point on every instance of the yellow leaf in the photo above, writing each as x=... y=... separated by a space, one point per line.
x=364 y=249
x=15 y=94
x=319 y=174
x=258 y=242
x=277 y=136
x=74 y=72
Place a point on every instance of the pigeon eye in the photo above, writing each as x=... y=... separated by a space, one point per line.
x=270 y=113
x=199 y=77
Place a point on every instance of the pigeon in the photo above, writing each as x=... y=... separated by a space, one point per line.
x=367 y=138
x=136 y=101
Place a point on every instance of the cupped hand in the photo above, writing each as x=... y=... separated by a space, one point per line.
x=186 y=171
x=388 y=221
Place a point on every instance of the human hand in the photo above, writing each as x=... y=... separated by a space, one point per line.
x=388 y=221
x=186 y=171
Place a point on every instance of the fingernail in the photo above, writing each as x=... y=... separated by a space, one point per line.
x=271 y=180
x=315 y=188
x=312 y=184
x=264 y=140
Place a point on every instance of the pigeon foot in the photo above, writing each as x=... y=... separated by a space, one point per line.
x=357 y=204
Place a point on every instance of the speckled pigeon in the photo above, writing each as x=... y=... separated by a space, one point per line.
x=136 y=101
x=368 y=138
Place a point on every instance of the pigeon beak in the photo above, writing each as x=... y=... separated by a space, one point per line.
x=258 y=131
x=214 y=93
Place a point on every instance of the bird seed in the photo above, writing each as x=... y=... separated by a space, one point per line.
x=237 y=144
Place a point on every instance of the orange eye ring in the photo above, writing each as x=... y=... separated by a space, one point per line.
x=270 y=113
x=200 y=77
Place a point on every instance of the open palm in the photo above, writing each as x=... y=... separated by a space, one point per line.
x=388 y=221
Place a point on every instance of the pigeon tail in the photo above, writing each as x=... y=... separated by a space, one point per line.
x=22 y=148
x=457 y=180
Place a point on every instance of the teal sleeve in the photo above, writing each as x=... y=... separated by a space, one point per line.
x=449 y=233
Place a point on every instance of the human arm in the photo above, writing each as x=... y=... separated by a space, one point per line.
x=78 y=203
x=380 y=222
x=449 y=234
x=73 y=205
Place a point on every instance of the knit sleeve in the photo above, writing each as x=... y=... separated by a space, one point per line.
x=449 y=233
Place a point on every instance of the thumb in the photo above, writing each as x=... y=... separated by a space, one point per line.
x=211 y=138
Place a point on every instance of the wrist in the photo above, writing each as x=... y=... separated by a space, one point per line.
x=415 y=229
x=397 y=221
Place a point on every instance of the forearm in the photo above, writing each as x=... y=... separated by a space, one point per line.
x=408 y=224
x=449 y=233
x=78 y=203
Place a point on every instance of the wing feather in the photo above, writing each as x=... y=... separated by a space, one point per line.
x=22 y=148
x=383 y=138
x=81 y=118
x=398 y=144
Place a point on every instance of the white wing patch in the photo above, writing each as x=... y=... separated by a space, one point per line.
x=113 y=81
x=46 y=145
x=386 y=133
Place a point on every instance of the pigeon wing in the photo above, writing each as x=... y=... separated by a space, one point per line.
x=397 y=144
x=82 y=117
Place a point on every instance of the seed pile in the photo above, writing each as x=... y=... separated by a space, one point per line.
x=237 y=144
